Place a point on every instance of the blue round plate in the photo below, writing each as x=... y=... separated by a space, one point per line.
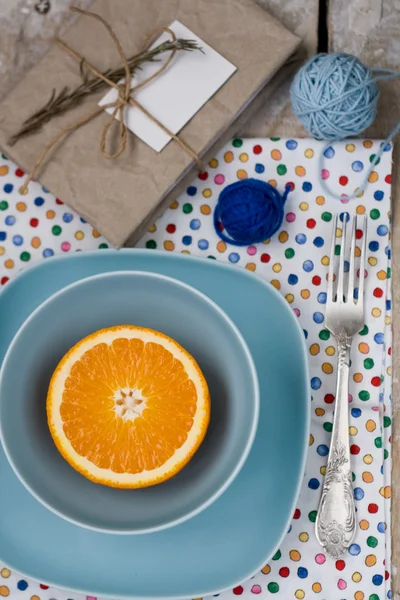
x=232 y=539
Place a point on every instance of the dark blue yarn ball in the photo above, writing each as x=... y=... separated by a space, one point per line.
x=250 y=211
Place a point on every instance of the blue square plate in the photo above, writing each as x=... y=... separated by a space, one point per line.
x=232 y=539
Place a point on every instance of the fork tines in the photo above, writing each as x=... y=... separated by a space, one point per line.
x=345 y=289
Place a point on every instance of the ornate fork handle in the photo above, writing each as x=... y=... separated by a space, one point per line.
x=336 y=524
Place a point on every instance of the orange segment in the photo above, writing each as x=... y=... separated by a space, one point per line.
x=128 y=407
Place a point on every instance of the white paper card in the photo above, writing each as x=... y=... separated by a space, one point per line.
x=176 y=95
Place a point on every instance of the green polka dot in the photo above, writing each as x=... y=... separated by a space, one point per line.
x=364 y=395
x=385 y=454
x=324 y=335
x=25 y=256
x=374 y=214
x=3 y=205
x=372 y=542
x=187 y=208
x=326 y=216
x=103 y=245
x=211 y=256
x=328 y=427
x=371 y=160
x=273 y=587
x=56 y=230
x=237 y=143
x=374 y=597
x=378 y=442
x=281 y=170
x=389 y=273
x=364 y=330
x=151 y=244
x=337 y=249
x=368 y=363
x=312 y=516
x=4 y=156
x=277 y=556
x=274 y=139
x=387 y=421
x=353 y=476
x=289 y=252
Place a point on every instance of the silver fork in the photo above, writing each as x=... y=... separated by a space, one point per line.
x=335 y=525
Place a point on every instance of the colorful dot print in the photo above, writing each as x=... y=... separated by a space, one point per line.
x=296 y=262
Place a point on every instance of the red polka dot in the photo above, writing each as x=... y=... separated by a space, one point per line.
x=372 y=508
x=203 y=176
x=284 y=572
x=376 y=381
x=354 y=449
x=329 y=398
x=378 y=293
x=386 y=575
x=3 y=280
x=238 y=590
x=316 y=280
x=257 y=149
x=388 y=178
x=340 y=565
x=343 y=180
x=44 y=587
x=390 y=352
x=58 y=201
x=311 y=223
x=359 y=234
x=220 y=226
x=265 y=257
x=290 y=185
x=297 y=514
x=34 y=222
x=19 y=172
x=171 y=228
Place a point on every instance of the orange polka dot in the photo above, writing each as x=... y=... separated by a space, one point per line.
x=316 y=587
x=3 y=170
x=367 y=144
x=174 y=205
x=276 y=284
x=272 y=182
x=276 y=154
x=367 y=477
x=4 y=591
x=251 y=266
x=35 y=598
x=381 y=275
x=228 y=157
x=319 y=412
x=266 y=570
x=283 y=237
x=387 y=491
x=357 y=251
x=50 y=214
x=364 y=525
x=169 y=245
x=9 y=264
x=327 y=368
x=358 y=377
x=21 y=206
x=205 y=209
x=370 y=560
x=360 y=209
x=311 y=440
x=314 y=349
x=221 y=246
x=185 y=251
x=359 y=596
x=305 y=294
x=95 y=233
x=363 y=348
x=35 y=242
x=295 y=555
x=241 y=174
x=320 y=200
x=300 y=171
x=370 y=425
x=373 y=177
x=2 y=250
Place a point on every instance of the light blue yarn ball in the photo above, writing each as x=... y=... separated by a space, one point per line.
x=334 y=96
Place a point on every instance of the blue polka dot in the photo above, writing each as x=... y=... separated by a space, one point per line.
x=346 y=266
x=293 y=279
x=329 y=152
x=302 y=572
x=341 y=217
x=301 y=238
x=319 y=242
x=378 y=195
x=67 y=217
x=377 y=579
x=83 y=220
x=191 y=191
x=358 y=493
x=373 y=246
x=388 y=252
x=305 y=333
x=259 y=168
x=8 y=188
x=18 y=240
x=3 y=236
x=322 y=450
x=291 y=144
x=290 y=529
x=203 y=244
x=386 y=146
x=307 y=186
x=354 y=549
x=39 y=201
x=381 y=527
x=313 y=484
x=382 y=469
x=10 y=220
x=318 y=317
x=388 y=304
x=195 y=224
x=382 y=230
x=47 y=252
x=379 y=338
x=356 y=412
x=322 y=297
x=234 y=257
x=316 y=383
x=357 y=166
x=308 y=266
x=22 y=585
x=187 y=240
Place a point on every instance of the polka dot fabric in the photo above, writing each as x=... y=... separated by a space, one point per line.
x=296 y=262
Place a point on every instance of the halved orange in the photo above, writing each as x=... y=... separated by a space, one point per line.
x=128 y=407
